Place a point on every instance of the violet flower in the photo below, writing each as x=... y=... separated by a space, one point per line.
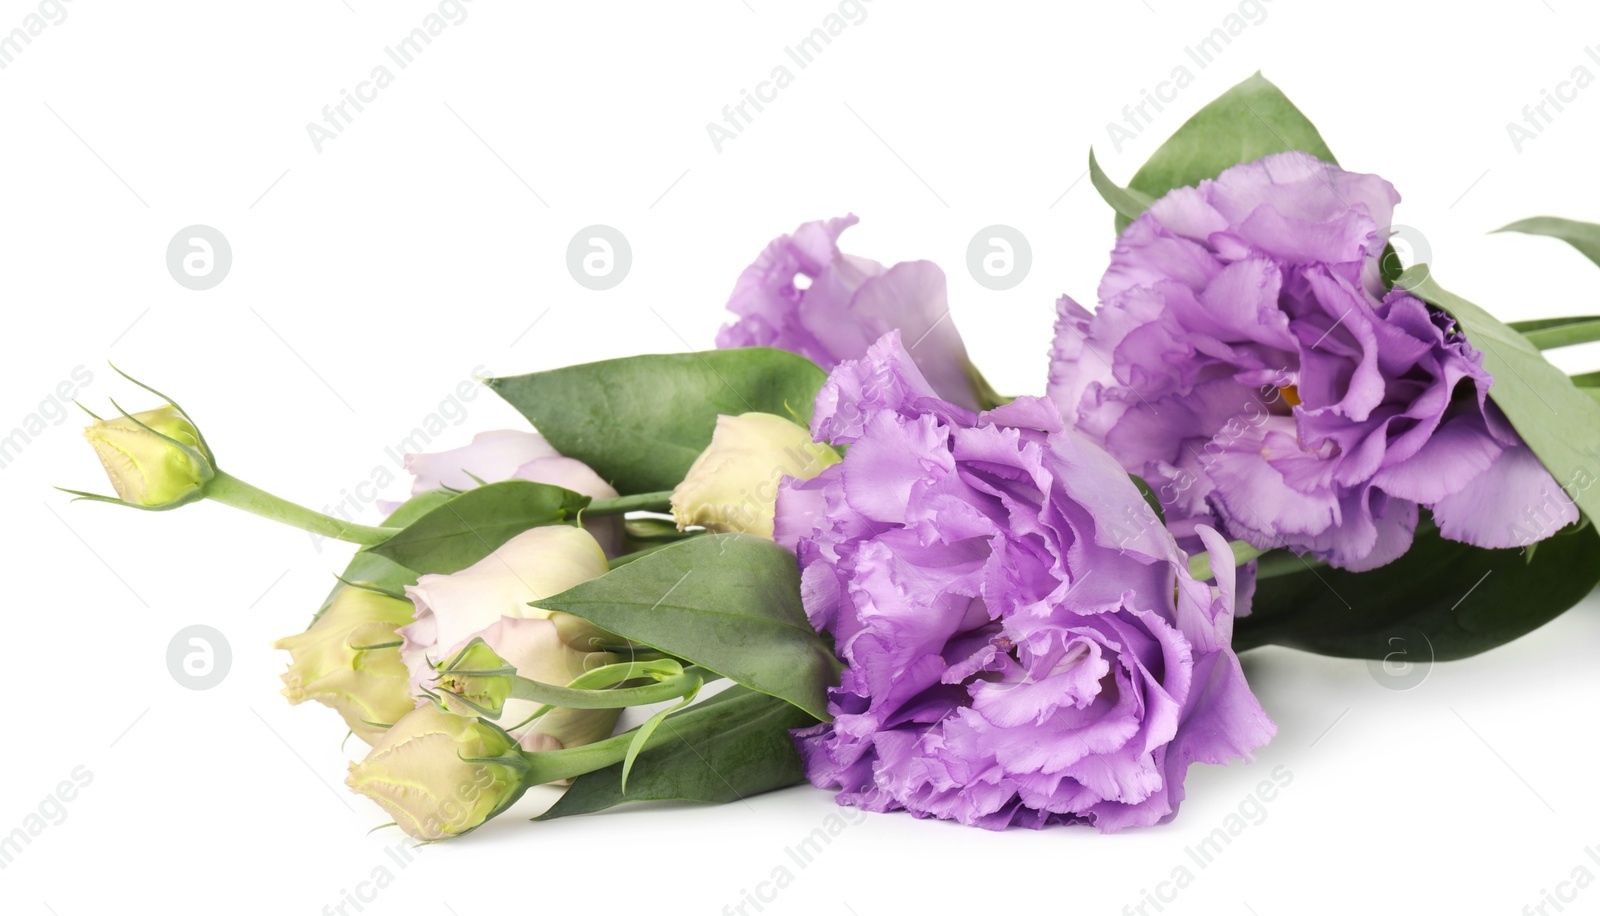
x=1011 y=658
x=1248 y=363
x=848 y=302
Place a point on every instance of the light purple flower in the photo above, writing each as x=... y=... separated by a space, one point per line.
x=1247 y=362
x=508 y=454
x=847 y=303
x=1017 y=652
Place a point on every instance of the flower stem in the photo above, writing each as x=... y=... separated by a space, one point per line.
x=982 y=392
x=231 y=491
x=1564 y=335
x=553 y=766
x=1276 y=563
x=672 y=688
x=1200 y=563
x=639 y=502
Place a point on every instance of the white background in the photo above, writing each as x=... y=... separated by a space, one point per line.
x=370 y=278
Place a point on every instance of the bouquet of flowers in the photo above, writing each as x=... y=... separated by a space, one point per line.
x=927 y=597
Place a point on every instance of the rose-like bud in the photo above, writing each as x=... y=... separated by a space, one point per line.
x=489 y=600
x=440 y=775
x=733 y=485
x=509 y=454
x=156 y=459
x=474 y=682
x=349 y=661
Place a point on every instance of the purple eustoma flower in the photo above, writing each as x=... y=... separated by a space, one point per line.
x=1016 y=652
x=845 y=304
x=1248 y=363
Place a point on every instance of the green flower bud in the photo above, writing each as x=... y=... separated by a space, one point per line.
x=440 y=775
x=349 y=661
x=733 y=485
x=476 y=682
x=156 y=459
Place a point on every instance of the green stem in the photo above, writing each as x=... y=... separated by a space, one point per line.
x=1565 y=335
x=231 y=491
x=1200 y=563
x=553 y=766
x=982 y=391
x=638 y=502
x=1276 y=563
x=672 y=688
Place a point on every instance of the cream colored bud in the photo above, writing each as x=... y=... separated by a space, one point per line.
x=733 y=485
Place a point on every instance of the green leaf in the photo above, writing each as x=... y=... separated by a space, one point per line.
x=643 y=733
x=1564 y=335
x=1150 y=497
x=641 y=421
x=1456 y=599
x=1252 y=120
x=1583 y=236
x=727 y=602
x=1546 y=324
x=726 y=748
x=463 y=530
x=1559 y=422
x=1128 y=203
x=386 y=574
x=1248 y=122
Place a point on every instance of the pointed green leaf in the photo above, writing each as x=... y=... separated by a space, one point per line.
x=642 y=420
x=643 y=733
x=727 y=602
x=1545 y=324
x=1443 y=598
x=1128 y=203
x=726 y=748
x=1565 y=334
x=1251 y=120
x=1583 y=236
x=468 y=527
x=1248 y=122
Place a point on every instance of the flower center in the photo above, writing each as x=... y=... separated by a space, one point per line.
x=1291 y=395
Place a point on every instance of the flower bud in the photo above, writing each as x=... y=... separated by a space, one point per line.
x=475 y=682
x=733 y=485
x=489 y=601
x=440 y=775
x=156 y=459
x=349 y=661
